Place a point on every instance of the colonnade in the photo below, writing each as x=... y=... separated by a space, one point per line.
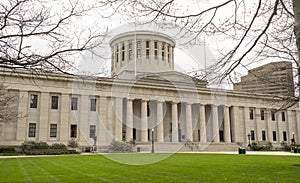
x=171 y=121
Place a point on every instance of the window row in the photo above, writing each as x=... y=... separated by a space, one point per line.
x=263 y=114
x=32 y=130
x=55 y=101
x=264 y=138
x=165 y=48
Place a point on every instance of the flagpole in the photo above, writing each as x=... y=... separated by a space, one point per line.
x=135 y=51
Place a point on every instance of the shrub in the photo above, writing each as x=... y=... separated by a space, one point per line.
x=58 y=146
x=50 y=152
x=285 y=146
x=7 y=149
x=117 y=146
x=29 y=145
x=261 y=146
x=73 y=143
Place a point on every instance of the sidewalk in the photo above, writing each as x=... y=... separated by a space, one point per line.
x=274 y=153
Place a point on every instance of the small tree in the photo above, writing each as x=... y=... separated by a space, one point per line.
x=73 y=143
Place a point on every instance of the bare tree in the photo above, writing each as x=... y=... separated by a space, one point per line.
x=40 y=34
x=258 y=30
x=8 y=113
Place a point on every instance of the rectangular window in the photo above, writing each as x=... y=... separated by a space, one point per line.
x=273 y=115
x=123 y=55
x=130 y=44
x=92 y=131
x=155 y=54
x=117 y=53
x=251 y=115
x=263 y=133
x=155 y=44
x=283 y=116
x=123 y=51
x=147 y=54
x=33 y=101
x=252 y=135
x=163 y=56
x=32 y=130
x=262 y=114
x=284 y=136
x=138 y=53
x=123 y=46
x=74 y=103
x=130 y=54
x=147 y=44
x=138 y=44
x=54 y=102
x=53 y=130
x=93 y=104
x=73 y=131
x=274 y=135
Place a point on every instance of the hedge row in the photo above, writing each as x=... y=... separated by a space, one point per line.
x=7 y=149
x=50 y=152
x=33 y=145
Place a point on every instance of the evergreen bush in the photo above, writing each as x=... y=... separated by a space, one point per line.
x=117 y=146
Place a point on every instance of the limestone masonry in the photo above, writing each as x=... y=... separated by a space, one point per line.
x=143 y=93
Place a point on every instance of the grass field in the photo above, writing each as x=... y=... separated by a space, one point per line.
x=176 y=168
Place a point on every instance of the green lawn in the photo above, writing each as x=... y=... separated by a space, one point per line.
x=175 y=168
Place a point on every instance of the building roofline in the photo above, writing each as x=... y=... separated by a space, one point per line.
x=141 y=32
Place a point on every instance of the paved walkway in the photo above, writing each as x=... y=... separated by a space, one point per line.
x=276 y=153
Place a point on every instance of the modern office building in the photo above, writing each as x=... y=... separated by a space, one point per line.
x=143 y=94
x=274 y=78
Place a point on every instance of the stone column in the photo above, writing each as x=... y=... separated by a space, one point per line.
x=215 y=124
x=103 y=131
x=227 y=136
x=83 y=127
x=258 y=125
x=202 y=122
x=268 y=126
x=160 y=122
x=144 y=122
x=118 y=118
x=188 y=121
x=110 y=120
x=174 y=122
x=129 y=120
x=289 y=119
x=44 y=115
x=297 y=121
x=64 y=118
x=22 y=119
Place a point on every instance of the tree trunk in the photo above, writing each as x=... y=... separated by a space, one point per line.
x=296 y=7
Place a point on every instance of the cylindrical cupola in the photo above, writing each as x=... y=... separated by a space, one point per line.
x=142 y=51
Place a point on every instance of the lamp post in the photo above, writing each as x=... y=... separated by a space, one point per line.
x=95 y=142
x=152 y=142
x=293 y=141
x=249 y=145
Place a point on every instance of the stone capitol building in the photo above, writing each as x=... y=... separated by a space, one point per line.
x=143 y=94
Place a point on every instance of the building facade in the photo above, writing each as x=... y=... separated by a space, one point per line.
x=144 y=93
x=274 y=78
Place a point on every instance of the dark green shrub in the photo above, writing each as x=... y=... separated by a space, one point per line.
x=58 y=146
x=261 y=146
x=7 y=149
x=117 y=146
x=29 y=145
x=50 y=152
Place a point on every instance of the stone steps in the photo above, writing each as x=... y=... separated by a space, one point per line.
x=171 y=147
